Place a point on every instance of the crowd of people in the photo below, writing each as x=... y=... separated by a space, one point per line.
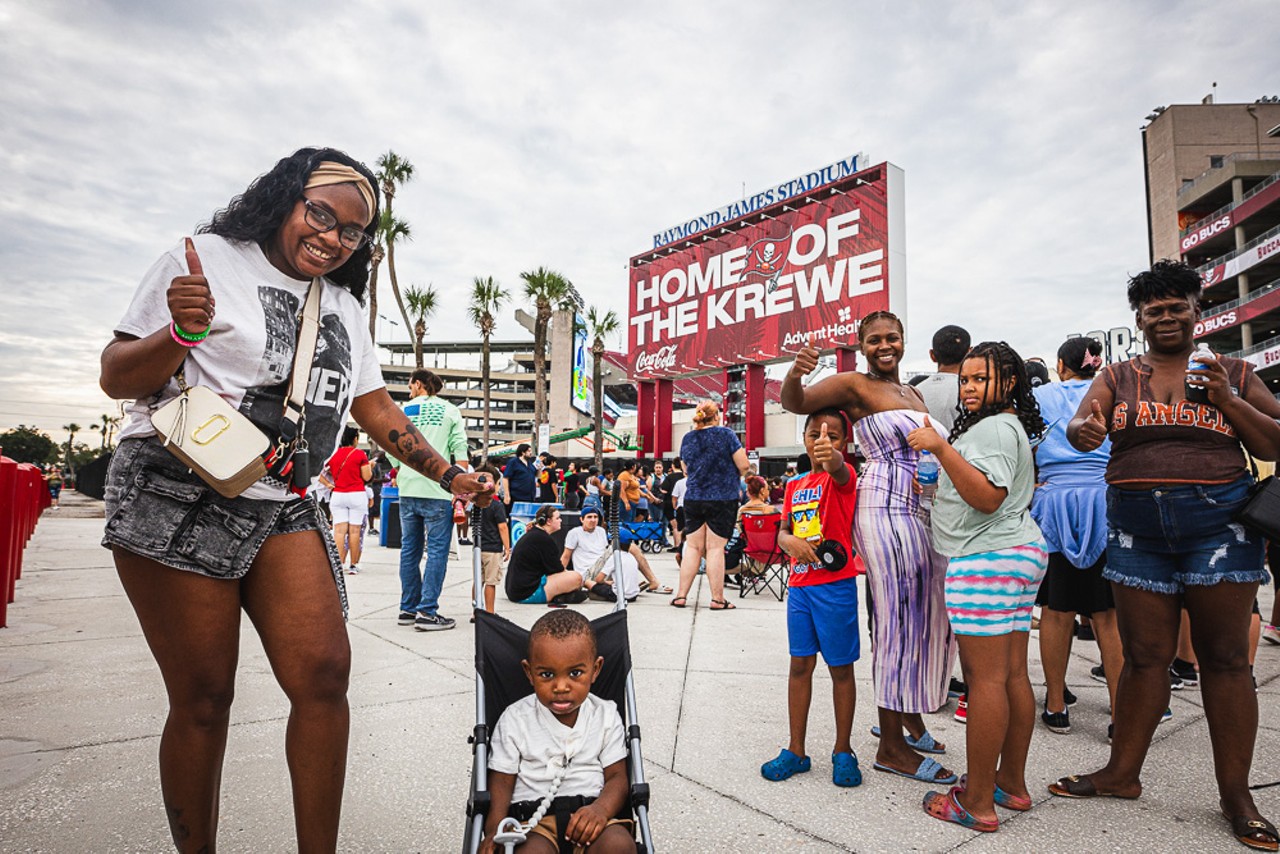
x=1110 y=494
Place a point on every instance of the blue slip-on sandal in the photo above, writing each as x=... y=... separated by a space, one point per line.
x=925 y=743
x=845 y=771
x=926 y=773
x=784 y=766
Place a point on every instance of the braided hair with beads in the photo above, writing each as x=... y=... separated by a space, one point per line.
x=1006 y=370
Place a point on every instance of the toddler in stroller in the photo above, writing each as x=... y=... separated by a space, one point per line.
x=559 y=772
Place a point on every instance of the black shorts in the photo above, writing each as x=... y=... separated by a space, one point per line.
x=157 y=508
x=1069 y=589
x=720 y=516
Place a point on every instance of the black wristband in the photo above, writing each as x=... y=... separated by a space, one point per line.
x=449 y=474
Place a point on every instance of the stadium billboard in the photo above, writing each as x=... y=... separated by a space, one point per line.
x=758 y=288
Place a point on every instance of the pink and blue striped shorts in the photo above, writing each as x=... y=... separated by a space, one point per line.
x=992 y=593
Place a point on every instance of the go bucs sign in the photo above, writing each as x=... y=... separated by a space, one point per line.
x=758 y=288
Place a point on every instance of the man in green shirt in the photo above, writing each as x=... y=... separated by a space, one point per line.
x=426 y=510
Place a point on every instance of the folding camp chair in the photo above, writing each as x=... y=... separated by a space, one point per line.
x=769 y=565
x=500 y=681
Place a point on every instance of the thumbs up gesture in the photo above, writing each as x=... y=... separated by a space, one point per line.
x=1093 y=429
x=191 y=303
x=823 y=450
x=806 y=361
x=926 y=438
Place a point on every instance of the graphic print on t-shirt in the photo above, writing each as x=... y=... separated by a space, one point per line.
x=328 y=389
x=806 y=521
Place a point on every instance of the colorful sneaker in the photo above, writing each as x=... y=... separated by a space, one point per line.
x=1270 y=634
x=1059 y=722
x=354 y=569
x=962 y=709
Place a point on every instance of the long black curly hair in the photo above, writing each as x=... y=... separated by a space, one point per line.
x=1004 y=368
x=257 y=213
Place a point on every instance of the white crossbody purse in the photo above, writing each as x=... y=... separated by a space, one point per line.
x=227 y=450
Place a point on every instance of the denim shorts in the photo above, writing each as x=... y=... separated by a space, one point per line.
x=1165 y=539
x=824 y=618
x=157 y=508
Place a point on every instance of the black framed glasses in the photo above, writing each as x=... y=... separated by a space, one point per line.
x=351 y=236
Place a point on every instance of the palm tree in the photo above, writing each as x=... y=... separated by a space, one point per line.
x=396 y=231
x=487 y=298
x=72 y=429
x=548 y=290
x=422 y=304
x=598 y=327
x=393 y=171
x=376 y=253
x=107 y=427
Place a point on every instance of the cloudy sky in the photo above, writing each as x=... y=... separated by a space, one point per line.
x=566 y=134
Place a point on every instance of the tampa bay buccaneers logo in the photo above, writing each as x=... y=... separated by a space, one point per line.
x=767 y=258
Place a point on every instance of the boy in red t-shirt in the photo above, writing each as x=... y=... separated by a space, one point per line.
x=822 y=608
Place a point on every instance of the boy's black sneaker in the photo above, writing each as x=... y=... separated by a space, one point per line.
x=1186 y=671
x=1098 y=674
x=1059 y=722
x=406 y=618
x=432 y=623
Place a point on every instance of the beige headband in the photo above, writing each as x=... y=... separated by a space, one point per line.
x=329 y=173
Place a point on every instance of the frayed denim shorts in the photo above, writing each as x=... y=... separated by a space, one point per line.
x=158 y=508
x=1167 y=539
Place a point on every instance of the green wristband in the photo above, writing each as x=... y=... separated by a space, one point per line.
x=190 y=336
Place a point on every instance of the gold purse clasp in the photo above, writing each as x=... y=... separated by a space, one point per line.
x=219 y=423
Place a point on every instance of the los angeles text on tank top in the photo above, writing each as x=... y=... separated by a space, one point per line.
x=1171 y=443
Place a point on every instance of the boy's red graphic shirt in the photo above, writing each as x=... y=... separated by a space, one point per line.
x=816 y=508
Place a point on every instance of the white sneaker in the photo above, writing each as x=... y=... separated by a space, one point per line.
x=1270 y=634
x=354 y=569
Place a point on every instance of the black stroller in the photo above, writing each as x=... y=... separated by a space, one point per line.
x=500 y=646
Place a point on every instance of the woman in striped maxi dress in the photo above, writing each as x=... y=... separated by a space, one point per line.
x=913 y=648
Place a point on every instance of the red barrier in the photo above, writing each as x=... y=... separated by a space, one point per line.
x=23 y=495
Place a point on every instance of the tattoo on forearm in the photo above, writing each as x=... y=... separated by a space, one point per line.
x=416 y=453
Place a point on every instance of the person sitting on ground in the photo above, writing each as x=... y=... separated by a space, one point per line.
x=586 y=551
x=822 y=610
x=561 y=741
x=535 y=575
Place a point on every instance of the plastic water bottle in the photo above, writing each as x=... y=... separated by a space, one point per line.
x=927 y=473
x=1194 y=391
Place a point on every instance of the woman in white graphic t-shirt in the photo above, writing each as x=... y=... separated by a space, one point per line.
x=223 y=310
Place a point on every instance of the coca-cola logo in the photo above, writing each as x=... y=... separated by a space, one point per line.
x=1220 y=321
x=662 y=359
x=1205 y=232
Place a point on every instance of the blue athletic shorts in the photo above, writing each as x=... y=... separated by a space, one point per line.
x=824 y=618
x=539 y=596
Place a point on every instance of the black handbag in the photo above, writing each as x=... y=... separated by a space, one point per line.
x=1261 y=510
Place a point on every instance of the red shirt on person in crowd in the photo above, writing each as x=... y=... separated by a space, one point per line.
x=344 y=469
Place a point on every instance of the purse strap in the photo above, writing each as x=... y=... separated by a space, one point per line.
x=294 y=416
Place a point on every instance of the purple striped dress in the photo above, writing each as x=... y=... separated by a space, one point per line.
x=913 y=648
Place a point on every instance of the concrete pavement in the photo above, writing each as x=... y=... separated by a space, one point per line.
x=82 y=707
